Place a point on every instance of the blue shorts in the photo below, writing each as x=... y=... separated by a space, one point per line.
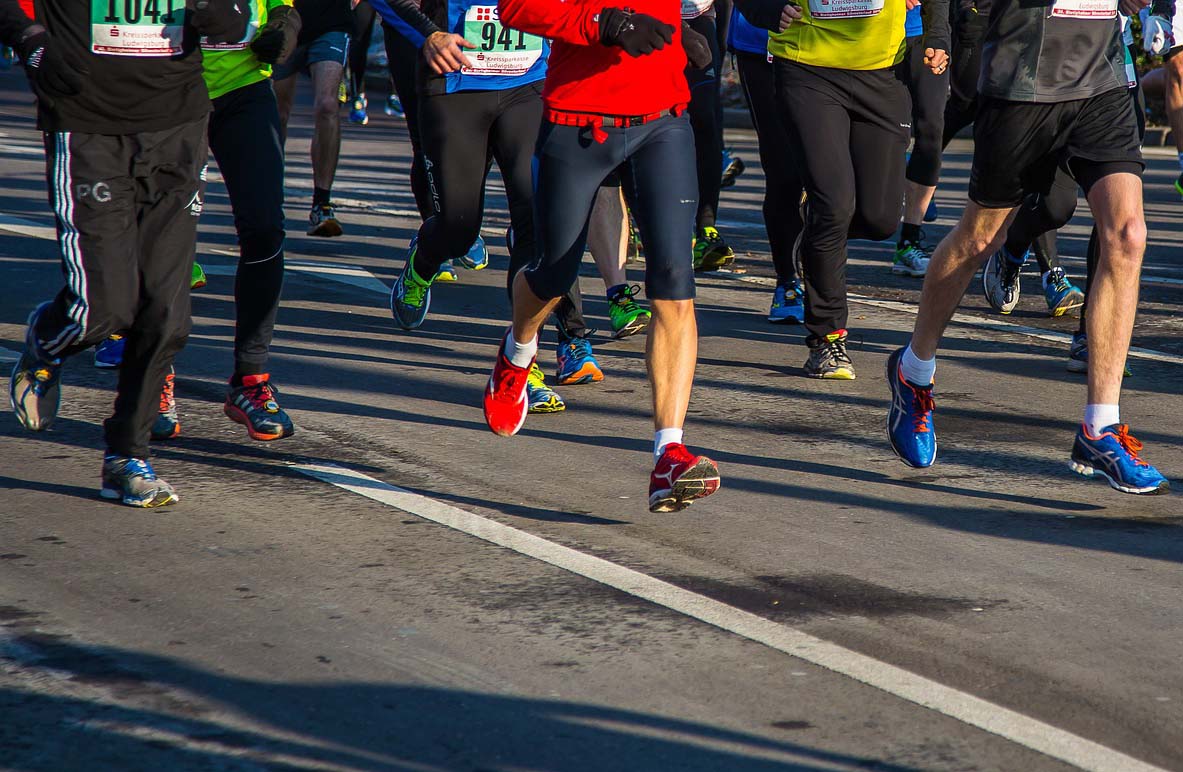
x=329 y=47
x=656 y=165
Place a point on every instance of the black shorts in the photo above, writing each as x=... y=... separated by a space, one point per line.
x=1019 y=145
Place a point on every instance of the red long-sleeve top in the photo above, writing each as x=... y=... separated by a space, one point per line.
x=586 y=76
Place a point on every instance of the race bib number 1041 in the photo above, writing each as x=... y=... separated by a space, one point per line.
x=137 y=27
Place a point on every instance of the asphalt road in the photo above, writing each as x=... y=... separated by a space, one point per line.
x=276 y=620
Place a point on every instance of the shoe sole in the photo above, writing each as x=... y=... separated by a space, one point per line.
x=838 y=375
x=585 y=374
x=697 y=482
x=544 y=409
x=237 y=416
x=1086 y=470
x=899 y=270
x=328 y=229
x=1059 y=311
x=713 y=261
x=785 y=320
x=986 y=294
x=113 y=494
x=887 y=425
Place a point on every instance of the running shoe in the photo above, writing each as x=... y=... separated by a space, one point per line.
x=541 y=398
x=109 y=353
x=133 y=481
x=358 y=113
x=35 y=391
x=710 y=251
x=198 y=281
x=911 y=258
x=477 y=257
x=933 y=213
x=254 y=406
x=787 y=304
x=733 y=166
x=505 y=400
x=1078 y=355
x=447 y=272
x=343 y=92
x=909 y=419
x=1179 y=184
x=1062 y=295
x=576 y=363
x=322 y=221
x=680 y=478
x=394 y=106
x=828 y=358
x=410 y=298
x=167 y=424
x=1114 y=455
x=1000 y=282
x=627 y=316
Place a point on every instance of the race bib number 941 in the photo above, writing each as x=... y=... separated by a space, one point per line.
x=137 y=27
x=499 y=49
x=844 y=9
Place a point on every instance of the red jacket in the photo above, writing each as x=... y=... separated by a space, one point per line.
x=585 y=76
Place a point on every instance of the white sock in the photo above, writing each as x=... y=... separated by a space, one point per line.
x=917 y=371
x=1097 y=417
x=663 y=437
x=520 y=354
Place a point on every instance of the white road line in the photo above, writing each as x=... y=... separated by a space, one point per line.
x=346 y=274
x=997 y=325
x=1011 y=725
x=8 y=355
x=24 y=227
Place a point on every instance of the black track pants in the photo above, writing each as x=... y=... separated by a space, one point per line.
x=706 y=119
x=403 y=56
x=782 y=183
x=244 y=137
x=929 y=93
x=127 y=208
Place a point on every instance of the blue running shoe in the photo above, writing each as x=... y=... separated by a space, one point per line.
x=394 y=107
x=133 y=481
x=109 y=353
x=787 y=307
x=933 y=212
x=576 y=363
x=1114 y=456
x=410 y=298
x=909 y=419
x=359 y=114
x=1062 y=295
x=477 y=256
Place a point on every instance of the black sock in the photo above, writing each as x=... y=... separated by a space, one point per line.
x=909 y=233
x=320 y=196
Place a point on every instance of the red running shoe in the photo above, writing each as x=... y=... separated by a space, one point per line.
x=679 y=478
x=505 y=396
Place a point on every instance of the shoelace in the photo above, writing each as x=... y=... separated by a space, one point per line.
x=1130 y=443
x=413 y=290
x=507 y=383
x=259 y=395
x=624 y=298
x=166 y=395
x=1059 y=280
x=923 y=405
x=579 y=348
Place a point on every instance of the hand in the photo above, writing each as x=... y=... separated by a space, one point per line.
x=276 y=41
x=1157 y=35
x=637 y=33
x=910 y=4
x=788 y=15
x=50 y=74
x=1131 y=7
x=698 y=50
x=936 y=60
x=442 y=51
x=219 y=21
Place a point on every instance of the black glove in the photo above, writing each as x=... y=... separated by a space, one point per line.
x=637 y=33
x=277 y=39
x=219 y=21
x=698 y=50
x=50 y=74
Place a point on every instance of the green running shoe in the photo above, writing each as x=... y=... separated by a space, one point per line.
x=410 y=298
x=710 y=251
x=627 y=316
x=541 y=398
x=198 y=280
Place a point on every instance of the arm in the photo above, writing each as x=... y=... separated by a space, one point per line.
x=576 y=21
x=406 y=17
x=935 y=14
x=764 y=14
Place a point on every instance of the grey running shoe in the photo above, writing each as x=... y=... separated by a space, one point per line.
x=828 y=358
x=322 y=221
x=133 y=482
x=1000 y=282
x=1078 y=356
x=35 y=391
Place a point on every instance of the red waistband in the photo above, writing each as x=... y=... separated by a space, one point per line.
x=597 y=122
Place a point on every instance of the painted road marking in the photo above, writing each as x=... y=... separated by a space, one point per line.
x=25 y=227
x=346 y=274
x=1003 y=722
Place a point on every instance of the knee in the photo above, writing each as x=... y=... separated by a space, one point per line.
x=257 y=246
x=327 y=107
x=1124 y=242
x=833 y=219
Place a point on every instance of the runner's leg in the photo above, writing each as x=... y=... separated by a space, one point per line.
x=402 y=56
x=706 y=118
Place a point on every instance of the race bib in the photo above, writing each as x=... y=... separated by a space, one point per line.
x=692 y=9
x=1101 y=10
x=137 y=27
x=499 y=49
x=844 y=9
